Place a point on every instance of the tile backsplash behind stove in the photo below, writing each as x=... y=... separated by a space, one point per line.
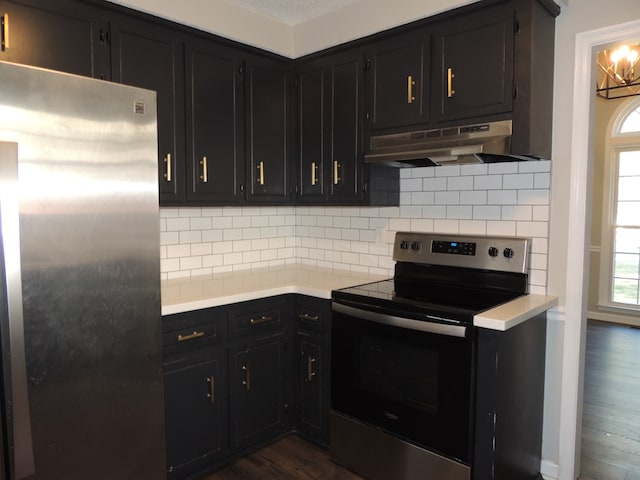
x=494 y=199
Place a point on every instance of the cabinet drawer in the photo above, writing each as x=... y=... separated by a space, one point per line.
x=192 y=330
x=256 y=318
x=312 y=315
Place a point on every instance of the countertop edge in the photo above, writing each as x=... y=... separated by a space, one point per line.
x=510 y=314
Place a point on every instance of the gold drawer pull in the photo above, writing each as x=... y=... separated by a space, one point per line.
x=167 y=174
x=5 y=32
x=262 y=319
x=247 y=377
x=212 y=389
x=410 y=84
x=191 y=336
x=450 y=76
x=336 y=172
x=306 y=316
x=310 y=373
x=205 y=170
x=261 y=173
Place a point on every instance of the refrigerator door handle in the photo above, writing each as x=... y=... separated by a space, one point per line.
x=18 y=415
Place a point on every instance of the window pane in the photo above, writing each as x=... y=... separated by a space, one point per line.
x=629 y=163
x=628 y=240
x=632 y=122
x=626 y=266
x=625 y=291
x=628 y=213
x=629 y=189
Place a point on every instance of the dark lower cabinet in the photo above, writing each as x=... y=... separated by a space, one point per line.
x=257 y=391
x=59 y=35
x=196 y=411
x=240 y=375
x=311 y=364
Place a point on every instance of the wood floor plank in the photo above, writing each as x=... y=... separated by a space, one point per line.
x=611 y=409
x=289 y=458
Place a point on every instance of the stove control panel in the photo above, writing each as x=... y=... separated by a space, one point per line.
x=510 y=254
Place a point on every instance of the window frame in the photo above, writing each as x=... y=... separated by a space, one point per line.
x=616 y=143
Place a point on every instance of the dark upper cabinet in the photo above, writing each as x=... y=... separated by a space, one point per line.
x=330 y=135
x=149 y=56
x=64 y=36
x=397 y=81
x=345 y=155
x=268 y=127
x=314 y=128
x=195 y=410
x=474 y=61
x=215 y=123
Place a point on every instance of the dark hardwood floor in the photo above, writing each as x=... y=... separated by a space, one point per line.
x=289 y=458
x=611 y=409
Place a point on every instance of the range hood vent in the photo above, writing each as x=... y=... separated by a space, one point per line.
x=478 y=143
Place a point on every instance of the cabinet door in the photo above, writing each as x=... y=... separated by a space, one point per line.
x=149 y=56
x=268 y=130
x=71 y=38
x=475 y=59
x=257 y=403
x=196 y=412
x=313 y=394
x=214 y=79
x=313 y=129
x=345 y=163
x=396 y=79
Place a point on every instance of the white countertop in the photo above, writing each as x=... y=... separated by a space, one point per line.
x=195 y=293
x=516 y=311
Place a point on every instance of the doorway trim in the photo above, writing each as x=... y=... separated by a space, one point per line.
x=577 y=249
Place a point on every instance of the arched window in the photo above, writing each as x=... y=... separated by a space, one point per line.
x=620 y=259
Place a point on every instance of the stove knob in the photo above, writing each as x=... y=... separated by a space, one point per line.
x=415 y=246
x=493 y=252
x=508 y=253
x=404 y=245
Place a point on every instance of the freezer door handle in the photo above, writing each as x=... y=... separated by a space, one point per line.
x=11 y=315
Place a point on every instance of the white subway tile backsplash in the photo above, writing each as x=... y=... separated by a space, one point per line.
x=492 y=199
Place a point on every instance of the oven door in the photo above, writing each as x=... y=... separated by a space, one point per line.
x=410 y=378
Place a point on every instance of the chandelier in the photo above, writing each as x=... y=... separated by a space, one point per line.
x=618 y=72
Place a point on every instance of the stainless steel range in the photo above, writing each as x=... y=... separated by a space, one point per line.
x=414 y=381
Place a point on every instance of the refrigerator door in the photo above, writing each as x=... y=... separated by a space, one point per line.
x=90 y=268
x=14 y=378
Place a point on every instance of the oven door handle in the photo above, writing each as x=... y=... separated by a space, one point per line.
x=408 y=323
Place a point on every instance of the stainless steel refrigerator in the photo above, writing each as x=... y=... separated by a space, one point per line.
x=82 y=395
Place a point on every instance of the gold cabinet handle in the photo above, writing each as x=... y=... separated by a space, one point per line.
x=191 y=336
x=311 y=318
x=205 y=173
x=262 y=319
x=212 y=389
x=410 y=84
x=167 y=174
x=450 y=76
x=247 y=377
x=310 y=373
x=261 y=173
x=314 y=173
x=5 y=32
x=336 y=173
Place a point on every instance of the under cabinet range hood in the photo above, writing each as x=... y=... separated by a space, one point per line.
x=478 y=143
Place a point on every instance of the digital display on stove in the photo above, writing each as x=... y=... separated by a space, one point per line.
x=455 y=248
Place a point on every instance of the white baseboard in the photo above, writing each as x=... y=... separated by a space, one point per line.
x=549 y=470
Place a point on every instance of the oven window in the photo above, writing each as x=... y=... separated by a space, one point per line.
x=415 y=385
x=406 y=375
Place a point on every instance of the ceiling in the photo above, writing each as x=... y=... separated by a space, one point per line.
x=292 y=12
